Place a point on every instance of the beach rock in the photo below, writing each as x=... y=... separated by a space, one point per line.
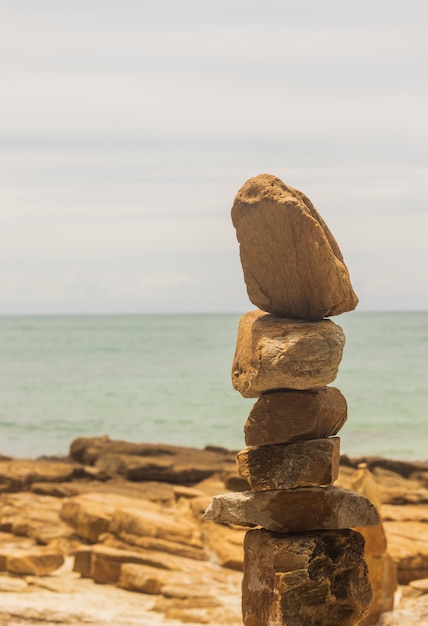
x=290 y=465
x=131 y=523
x=18 y=474
x=151 y=462
x=276 y=353
x=290 y=415
x=224 y=544
x=292 y=264
x=408 y=547
x=37 y=561
x=297 y=580
x=152 y=580
x=294 y=510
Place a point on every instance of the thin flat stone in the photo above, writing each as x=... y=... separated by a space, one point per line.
x=276 y=353
x=294 y=510
x=292 y=264
x=292 y=415
x=290 y=465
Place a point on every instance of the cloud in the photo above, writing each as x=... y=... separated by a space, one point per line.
x=128 y=128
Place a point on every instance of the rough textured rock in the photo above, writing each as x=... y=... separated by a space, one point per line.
x=304 y=580
x=408 y=547
x=224 y=544
x=290 y=465
x=150 y=462
x=382 y=569
x=292 y=264
x=276 y=353
x=38 y=561
x=291 y=415
x=17 y=474
x=294 y=510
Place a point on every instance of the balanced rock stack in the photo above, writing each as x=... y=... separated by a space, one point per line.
x=303 y=563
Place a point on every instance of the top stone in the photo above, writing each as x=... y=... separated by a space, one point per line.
x=292 y=264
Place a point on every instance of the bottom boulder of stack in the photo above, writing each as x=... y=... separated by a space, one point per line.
x=305 y=579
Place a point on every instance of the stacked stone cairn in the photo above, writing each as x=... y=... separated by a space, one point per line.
x=303 y=563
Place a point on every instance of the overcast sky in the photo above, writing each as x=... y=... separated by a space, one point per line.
x=128 y=126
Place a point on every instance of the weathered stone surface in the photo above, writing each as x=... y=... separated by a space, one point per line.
x=304 y=579
x=224 y=544
x=289 y=465
x=131 y=523
x=292 y=415
x=17 y=474
x=292 y=264
x=294 y=510
x=276 y=353
x=382 y=569
x=152 y=580
x=38 y=561
x=150 y=462
x=92 y=513
x=408 y=547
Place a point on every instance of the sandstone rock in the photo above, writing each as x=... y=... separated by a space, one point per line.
x=155 y=530
x=91 y=513
x=292 y=264
x=408 y=546
x=304 y=579
x=17 y=474
x=289 y=415
x=10 y=584
x=151 y=462
x=382 y=569
x=224 y=544
x=383 y=581
x=285 y=466
x=38 y=561
x=294 y=510
x=276 y=353
x=152 y=580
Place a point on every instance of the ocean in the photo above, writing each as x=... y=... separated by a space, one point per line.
x=166 y=379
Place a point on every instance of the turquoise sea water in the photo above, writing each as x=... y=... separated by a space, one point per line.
x=166 y=378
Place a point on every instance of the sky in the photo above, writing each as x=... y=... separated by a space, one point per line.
x=127 y=128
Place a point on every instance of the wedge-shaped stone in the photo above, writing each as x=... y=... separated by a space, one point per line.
x=304 y=579
x=292 y=264
x=290 y=465
x=283 y=416
x=294 y=510
x=38 y=561
x=276 y=353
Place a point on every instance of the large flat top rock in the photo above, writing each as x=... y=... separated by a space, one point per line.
x=292 y=264
x=294 y=510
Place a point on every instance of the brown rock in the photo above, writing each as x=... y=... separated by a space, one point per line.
x=151 y=462
x=294 y=510
x=91 y=513
x=38 y=561
x=292 y=264
x=276 y=353
x=304 y=579
x=408 y=546
x=224 y=544
x=289 y=415
x=132 y=525
x=17 y=474
x=290 y=465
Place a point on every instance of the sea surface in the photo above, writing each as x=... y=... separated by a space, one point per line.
x=166 y=379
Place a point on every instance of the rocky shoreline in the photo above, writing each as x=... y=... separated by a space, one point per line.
x=114 y=533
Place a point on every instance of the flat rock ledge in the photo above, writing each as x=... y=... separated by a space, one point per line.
x=294 y=510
